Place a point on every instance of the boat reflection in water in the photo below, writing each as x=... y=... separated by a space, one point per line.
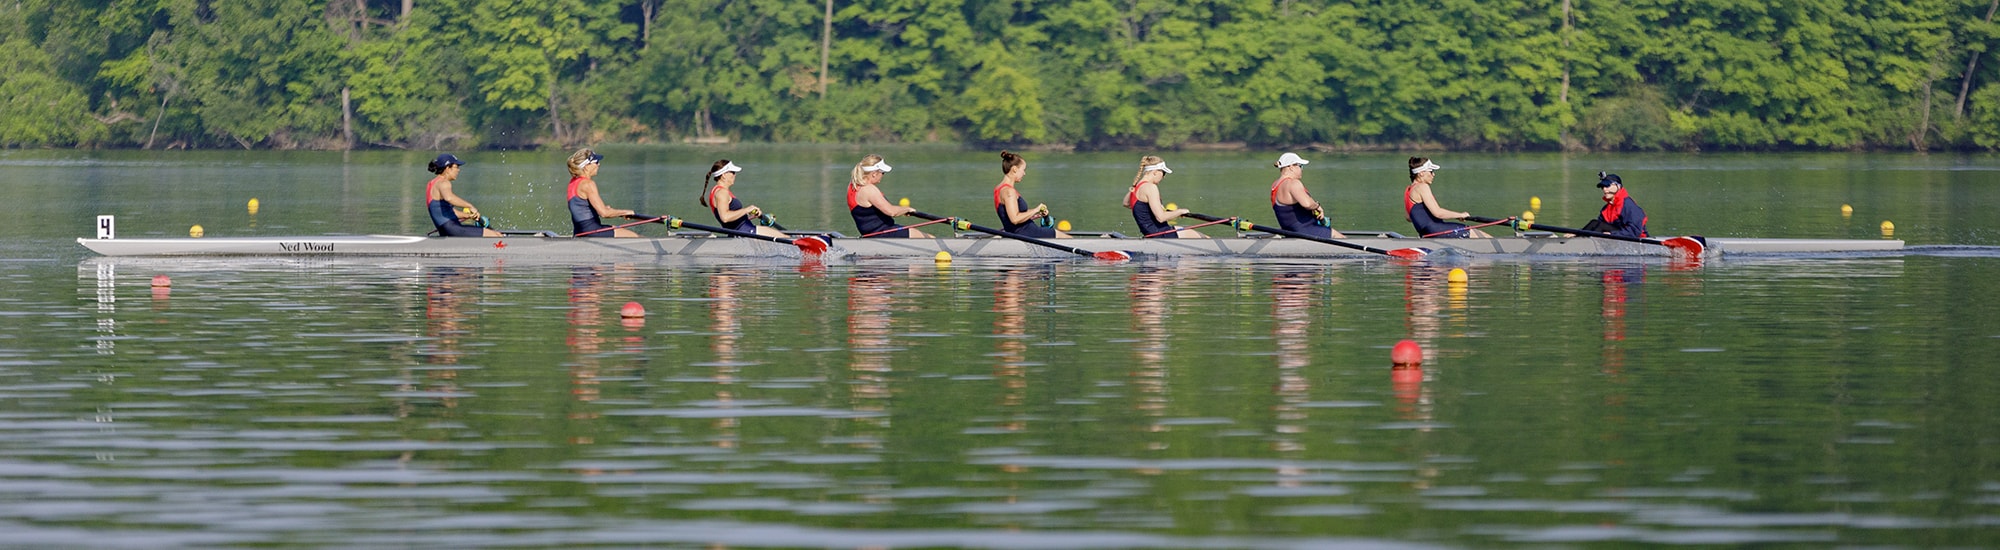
x=871 y=305
x=588 y=287
x=1149 y=288
x=726 y=328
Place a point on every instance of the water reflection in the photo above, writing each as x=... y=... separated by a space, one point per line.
x=1148 y=289
x=725 y=328
x=1292 y=308
x=871 y=306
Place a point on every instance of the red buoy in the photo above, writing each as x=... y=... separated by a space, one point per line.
x=1406 y=353
x=162 y=280
x=632 y=309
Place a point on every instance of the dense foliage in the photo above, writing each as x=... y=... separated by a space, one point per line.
x=1467 y=74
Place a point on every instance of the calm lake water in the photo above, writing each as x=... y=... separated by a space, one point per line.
x=1809 y=401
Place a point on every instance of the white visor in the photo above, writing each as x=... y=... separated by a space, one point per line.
x=1289 y=159
x=879 y=166
x=726 y=168
x=1427 y=167
x=1161 y=167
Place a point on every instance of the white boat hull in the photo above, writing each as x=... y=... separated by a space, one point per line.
x=536 y=248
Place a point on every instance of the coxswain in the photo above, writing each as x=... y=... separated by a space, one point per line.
x=1621 y=215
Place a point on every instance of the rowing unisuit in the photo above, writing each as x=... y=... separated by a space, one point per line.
x=1142 y=213
x=1426 y=224
x=870 y=220
x=1030 y=228
x=441 y=215
x=1296 y=218
x=742 y=223
x=583 y=218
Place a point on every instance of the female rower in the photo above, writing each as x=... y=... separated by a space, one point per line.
x=1296 y=210
x=721 y=201
x=585 y=204
x=1015 y=216
x=1429 y=220
x=439 y=199
x=1144 y=200
x=1621 y=215
x=873 y=215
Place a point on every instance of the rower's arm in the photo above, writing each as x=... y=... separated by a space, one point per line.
x=872 y=196
x=1431 y=204
x=1151 y=194
x=589 y=191
x=1013 y=206
x=727 y=215
x=1297 y=190
x=445 y=194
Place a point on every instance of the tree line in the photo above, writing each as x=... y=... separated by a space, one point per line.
x=1094 y=74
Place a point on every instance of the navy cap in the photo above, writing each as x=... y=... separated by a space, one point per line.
x=444 y=161
x=1605 y=180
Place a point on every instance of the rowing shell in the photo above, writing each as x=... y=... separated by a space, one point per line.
x=565 y=248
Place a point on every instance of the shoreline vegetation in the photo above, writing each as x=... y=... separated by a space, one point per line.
x=1044 y=75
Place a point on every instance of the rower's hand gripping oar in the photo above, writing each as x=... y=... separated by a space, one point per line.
x=1110 y=255
x=1691 y=245
x=1406 y=253
x=810 y=245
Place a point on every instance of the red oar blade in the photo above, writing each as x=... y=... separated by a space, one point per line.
x=1112 y=255
x=1688 y=246
x=1409 y=253
x=811 y=245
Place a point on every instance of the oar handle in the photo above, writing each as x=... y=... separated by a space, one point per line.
x=1573 y=231
x=810 y=245
x=962 y=224
x=1241 y=224
x=643 y=219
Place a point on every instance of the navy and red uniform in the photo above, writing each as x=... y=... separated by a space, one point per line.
x=743 y=223
x=1426 y=224
x=583 y=218
x=1142 y=212
x=870 y=220
x=441 y=216
x=1621 y=216
x=1295 y=218
x=1028 y=229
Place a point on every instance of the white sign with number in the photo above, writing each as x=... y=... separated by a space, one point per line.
x=105 y=229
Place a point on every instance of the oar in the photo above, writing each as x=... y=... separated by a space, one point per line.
x=1397 y=253
x=1111 y=255
x=647 y=220
x=810 y=245
x=1487 y=224
x=1691 y=245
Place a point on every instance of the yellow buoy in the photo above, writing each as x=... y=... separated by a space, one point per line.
x=1534 y=203
x=905 y=202
x=253 y=206
x=1846 y=210
x=1456 y=276
x=1888 y=228
x=196 y=231
x=943 y=257
x=1528 y=216
x=1172 y=206
x=1062 y=225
